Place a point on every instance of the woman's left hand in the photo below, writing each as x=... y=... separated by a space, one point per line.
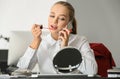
x=64 y=37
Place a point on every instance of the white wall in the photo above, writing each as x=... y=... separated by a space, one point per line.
x=99 y=20
x=21 y=15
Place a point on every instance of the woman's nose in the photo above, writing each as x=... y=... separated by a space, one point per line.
x=55 y=20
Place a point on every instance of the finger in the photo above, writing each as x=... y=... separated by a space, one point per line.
x=36 y=26
x=36 y=31
x=37 y=34
x=61 y=34
x=67 y=30
x=40 y=26
x=64 y=34
x=61 y=38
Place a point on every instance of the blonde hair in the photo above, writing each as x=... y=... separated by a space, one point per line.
x=71 y=14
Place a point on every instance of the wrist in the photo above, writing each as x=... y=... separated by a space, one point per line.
x=35 y=43
x=37 y=39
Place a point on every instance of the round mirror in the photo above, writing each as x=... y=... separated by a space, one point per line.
x=67 y=60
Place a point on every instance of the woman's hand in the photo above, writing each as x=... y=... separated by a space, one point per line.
x=64 y=37
x=36 y=31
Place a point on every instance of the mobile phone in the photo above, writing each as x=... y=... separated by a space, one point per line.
x=69 y=26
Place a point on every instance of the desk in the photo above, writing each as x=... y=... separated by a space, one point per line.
x=53 y=77
x=63 y=77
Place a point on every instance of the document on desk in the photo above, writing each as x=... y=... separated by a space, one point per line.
x=115 y=72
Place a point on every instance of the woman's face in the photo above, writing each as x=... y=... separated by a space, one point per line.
x=58 y=18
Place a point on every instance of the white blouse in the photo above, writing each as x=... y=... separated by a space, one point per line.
x=49 y=47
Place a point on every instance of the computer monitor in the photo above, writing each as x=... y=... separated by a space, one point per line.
x=19 y=41
x=3 y=60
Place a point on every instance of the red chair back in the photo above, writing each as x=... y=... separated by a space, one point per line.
x=103 y=58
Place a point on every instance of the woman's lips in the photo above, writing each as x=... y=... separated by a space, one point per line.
x=53 y=27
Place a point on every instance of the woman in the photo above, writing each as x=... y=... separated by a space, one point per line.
x=43 y=50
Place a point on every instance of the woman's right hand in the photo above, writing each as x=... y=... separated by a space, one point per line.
x=36 y=31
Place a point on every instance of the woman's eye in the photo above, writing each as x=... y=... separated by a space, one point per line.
x=62 y=19
x=52 y=16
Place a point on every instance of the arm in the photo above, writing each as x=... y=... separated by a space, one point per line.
x=88 y=65
x=29 y=59
x=26 y=58
x=64 y=37
x=36 y=31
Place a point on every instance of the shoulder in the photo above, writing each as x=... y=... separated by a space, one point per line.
x=77 y=40
x=78 y=37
